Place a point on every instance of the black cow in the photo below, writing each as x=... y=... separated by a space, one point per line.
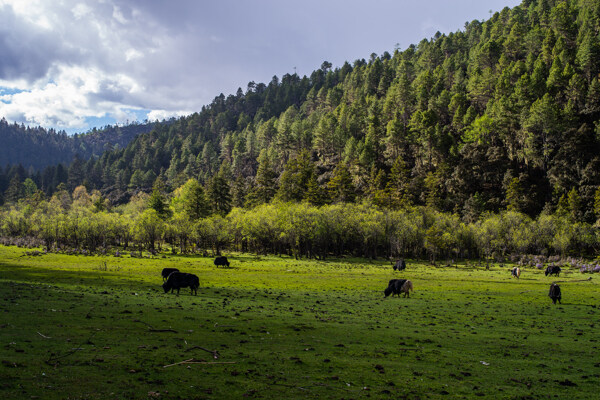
x=221 y=261
x=400 y=265
x=552 y=270
x=394 y=287
x=555 y=293
x=167 y=271
x=178 y=280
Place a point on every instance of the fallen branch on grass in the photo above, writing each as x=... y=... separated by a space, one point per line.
x=45 y=337
x=194 y=361
x=152 y=329
x=73 y=351
x=161 y=330
x=214 y=353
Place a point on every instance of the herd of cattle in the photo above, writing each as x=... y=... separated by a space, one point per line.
x=174 y=279
x=554 y=292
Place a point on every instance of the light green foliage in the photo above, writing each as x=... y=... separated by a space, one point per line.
x=480 y=131
x=29 y=187
x=148 y=227
x=301 y=229
x=191 y=200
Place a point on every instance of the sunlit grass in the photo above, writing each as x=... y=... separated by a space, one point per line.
x=101 y=327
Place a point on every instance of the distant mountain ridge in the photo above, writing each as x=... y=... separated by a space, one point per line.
x=38 y=148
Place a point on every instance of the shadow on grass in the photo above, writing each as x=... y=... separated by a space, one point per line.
x=33 y=275
x=99 y=281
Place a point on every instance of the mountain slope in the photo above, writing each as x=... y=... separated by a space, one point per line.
x=38 y=148
x=501 y=115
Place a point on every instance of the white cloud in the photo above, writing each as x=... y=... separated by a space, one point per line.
x=118 y=15
x=96 y=62
x=132 y=54
x=80 y=11
x=73 y=94
x=31 y=11
x=164 y=114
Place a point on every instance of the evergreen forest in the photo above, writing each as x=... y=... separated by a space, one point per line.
x=38 y=148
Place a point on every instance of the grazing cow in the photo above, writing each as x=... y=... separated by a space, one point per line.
x=221 y=261
x=406 y=288
x=178 y=280
x=555 y=293
x=552 y=270
x=516 y=272
x=167 y=271
x=390 y=287
x=400 y=265
x=394 y=287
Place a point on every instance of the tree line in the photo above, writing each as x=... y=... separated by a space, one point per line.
x=186 y=221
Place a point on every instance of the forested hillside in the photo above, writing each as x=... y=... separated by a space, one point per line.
x=37 y=148
x=502 y=114
x=500 y=117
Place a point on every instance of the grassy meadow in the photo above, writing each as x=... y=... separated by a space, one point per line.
x=101 y=327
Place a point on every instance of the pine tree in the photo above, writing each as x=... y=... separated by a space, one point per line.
x=157 y=203
x=340 y=187
x=575 y=206
x=266 y=183
x=315 y=194
x=514 y=195
x=398 y=183
x=194 y=200
x=15 y=190
x=597 y=203
x=239 y=191
x=219 y=195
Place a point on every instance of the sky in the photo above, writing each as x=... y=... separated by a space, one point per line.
x=77 y=64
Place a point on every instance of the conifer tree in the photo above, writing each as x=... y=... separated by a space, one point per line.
x=340 y=187
x=514 y=193
x=194 y=200
x=219 y=195
x=266 y=183
x=398 y=183
x=315 y=194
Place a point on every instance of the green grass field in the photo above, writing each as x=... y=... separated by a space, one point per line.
x=75 y=327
